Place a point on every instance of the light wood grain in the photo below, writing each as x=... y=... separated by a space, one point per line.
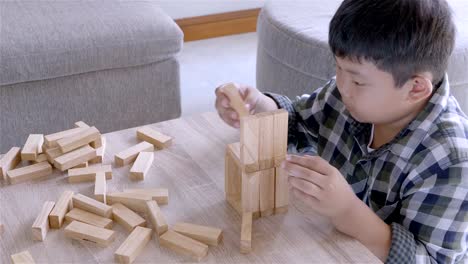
x=192 y=169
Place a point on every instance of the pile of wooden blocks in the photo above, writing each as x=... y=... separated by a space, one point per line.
x=91 y=219
x=255 y=185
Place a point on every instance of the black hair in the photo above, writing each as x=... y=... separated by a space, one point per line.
x=401 y=37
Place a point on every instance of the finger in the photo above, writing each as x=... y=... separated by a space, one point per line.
x=304 y=173
x=250 y=97
x=314 y=163
x=306 y=187
x=231 y=114
x=312 y=202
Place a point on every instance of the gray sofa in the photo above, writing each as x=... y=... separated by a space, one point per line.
x=294 y=58
x=112 y=64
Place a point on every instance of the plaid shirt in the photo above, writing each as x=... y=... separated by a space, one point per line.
x=417 y=183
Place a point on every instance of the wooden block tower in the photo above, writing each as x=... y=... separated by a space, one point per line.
x=255 y=185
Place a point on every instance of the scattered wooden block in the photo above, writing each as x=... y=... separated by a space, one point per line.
x=281 y=191
x=126 y=217
x=9 y=161
x=83 y=138
x=100 y=187
x=133 y=245
x=129 y=155
x=141 y=166
x=77 y=214
x=30 y=172
x=154 y=137
x=88 y=204
x=249 y=143
x=81 y=124
x=281 y=135
x=53 y=153
x=246 y=233
x=205 y=234
x=82 y=165
x=51 y=140
x=236 y=101
x=81 y=231
x=100 y=151
x=251 y=193
x=62 y=206
x=40 y=158
x=160 y=195
x=22 y=258
x=266 y=144
x=157 y=218
x=183 y=245
x=40 y=226
x=267 y=192
x=32 y=147
x=134 y=201
x=74 y=158
x=89 y=173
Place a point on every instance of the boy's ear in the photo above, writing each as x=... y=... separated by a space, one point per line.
x=420 y=87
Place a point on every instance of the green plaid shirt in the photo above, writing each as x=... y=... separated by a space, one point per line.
x=417 y=183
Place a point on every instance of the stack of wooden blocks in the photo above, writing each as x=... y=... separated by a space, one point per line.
x=255 y=185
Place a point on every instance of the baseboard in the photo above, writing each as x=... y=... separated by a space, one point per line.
x=218 y=25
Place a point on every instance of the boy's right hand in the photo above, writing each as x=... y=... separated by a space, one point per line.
x=254 y=100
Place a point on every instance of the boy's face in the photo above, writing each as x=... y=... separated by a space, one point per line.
x=369 y=94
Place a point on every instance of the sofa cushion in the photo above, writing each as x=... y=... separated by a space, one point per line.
x=47 y=39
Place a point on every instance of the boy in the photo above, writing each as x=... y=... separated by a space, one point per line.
x=392 y=164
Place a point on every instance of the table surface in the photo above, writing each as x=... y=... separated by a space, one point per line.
x=193 y=171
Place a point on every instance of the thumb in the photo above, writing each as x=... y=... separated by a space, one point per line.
x=250 y=96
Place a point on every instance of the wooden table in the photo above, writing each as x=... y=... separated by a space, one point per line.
x=193 y=171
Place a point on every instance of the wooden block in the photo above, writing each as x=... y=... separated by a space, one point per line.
x=30 y=172
x=81 y=139
x=82 y=165
x=266 y=144
x=51 y=140
x=77 y=214
x=100 y=151
x=74 y=158
x=90 y=205
x=97 y=143
x=280 y=135
x=160 y=195
x=141 y=166
x=129 y=155
x=81 y=124
x=40 y=158
x=246 y=233
x=40 y=226
x=9 y=161
x=133 y=245
x=22 y=258
x=126 y=217
x=88 y=174
x=134 y=201
x=32 y=147
x=81 y=231
x=62 y=206
x=232 y=174
x=183 y=245
x=281 y=191
x=236 y=101
x=53 y=153
x=249 y=143
x=157 y=218
x=154 y=137
x=267 y=192
x=251 y=192
x=207 y=235
x=100 y=187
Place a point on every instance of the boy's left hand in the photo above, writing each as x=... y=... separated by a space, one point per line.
x=320 y=186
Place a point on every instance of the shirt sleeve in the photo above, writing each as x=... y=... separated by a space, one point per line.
x=434 y=217
x=305 y=116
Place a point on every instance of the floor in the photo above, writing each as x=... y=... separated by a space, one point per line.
x=206 y=64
